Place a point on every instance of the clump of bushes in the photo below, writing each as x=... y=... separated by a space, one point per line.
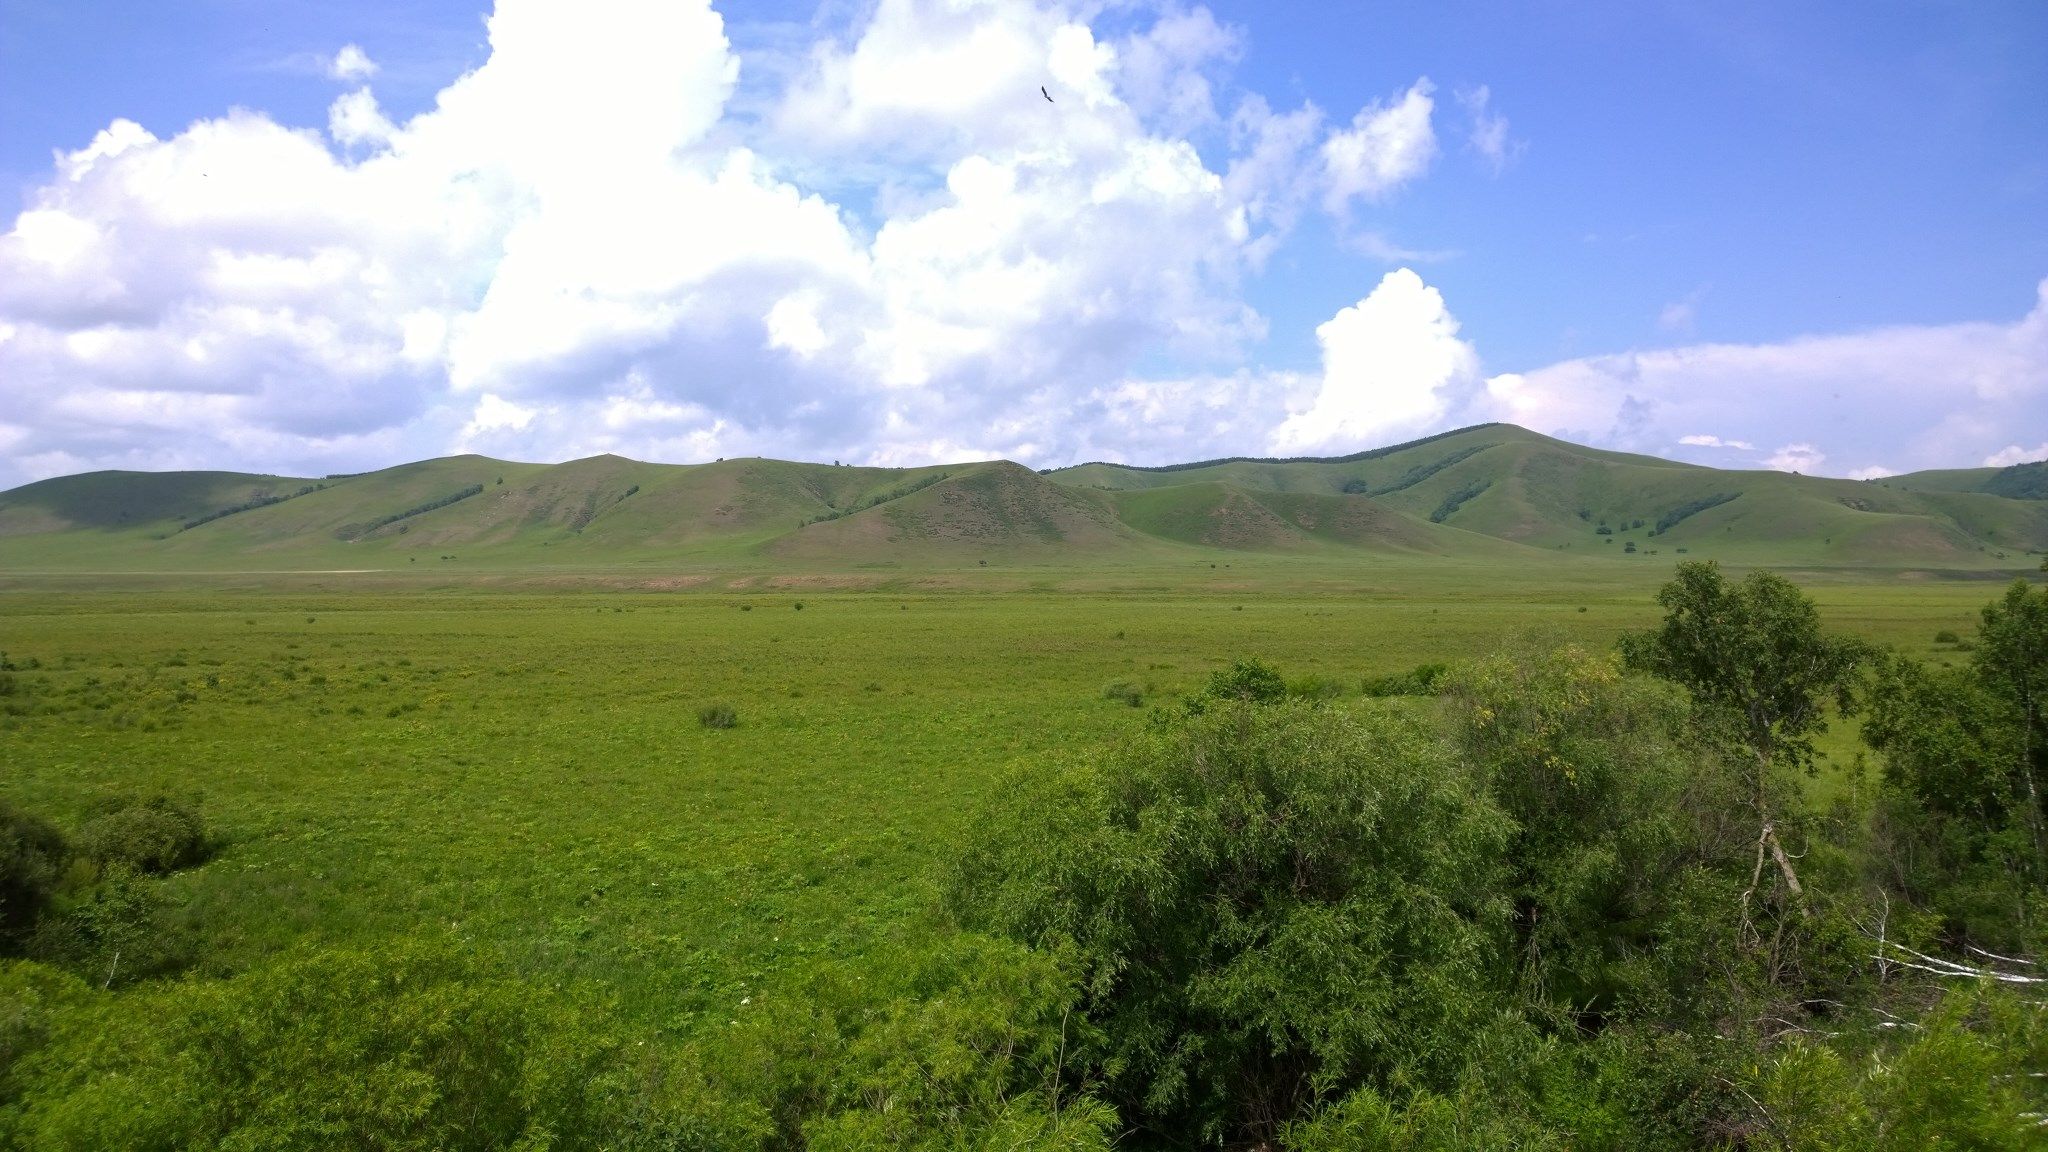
x=94 y=904
x=32 y=857
x=1947 y=636
x=719 y=715
x=1269 y=904
x=1422 y=680
x=1125 y=692
x=1251 y=680
x=154 y=835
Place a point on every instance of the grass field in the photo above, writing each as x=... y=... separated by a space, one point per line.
x=520 y=763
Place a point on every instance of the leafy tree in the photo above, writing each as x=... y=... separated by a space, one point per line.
x=1761 y=673
x=1267 y=906
x=2012 y=660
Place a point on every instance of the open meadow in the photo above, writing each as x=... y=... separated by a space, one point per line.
x=518 y=762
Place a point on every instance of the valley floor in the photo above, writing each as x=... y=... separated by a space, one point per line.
x=515 y=760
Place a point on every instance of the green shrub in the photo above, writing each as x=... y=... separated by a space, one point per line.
x=1946 y=636
x=1314 y=687
x=1123 y=691
x=1422 y=680
x=403 y=1048
x=32 y=855
x=153 y=835
x=967 y=1043
x=122 y=927
x=1265 y=905
x=1251 y=680
x=720 y=715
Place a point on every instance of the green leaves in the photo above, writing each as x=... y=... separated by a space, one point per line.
x=1267 y=906
x=1752 y=654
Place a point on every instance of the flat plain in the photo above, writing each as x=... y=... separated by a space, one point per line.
x=515 y=760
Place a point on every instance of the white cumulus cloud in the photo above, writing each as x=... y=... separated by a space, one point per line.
x=1392 y=364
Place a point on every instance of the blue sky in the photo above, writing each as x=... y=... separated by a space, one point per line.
x=1743 y=234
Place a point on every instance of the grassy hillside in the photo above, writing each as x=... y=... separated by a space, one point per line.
x=2018 y=482
x=983 y=511
x=1506 y=482
x=1489 y=493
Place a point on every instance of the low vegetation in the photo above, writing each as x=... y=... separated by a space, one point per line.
x=1704 y=873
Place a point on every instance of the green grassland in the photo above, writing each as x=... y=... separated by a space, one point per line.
x=526 y=772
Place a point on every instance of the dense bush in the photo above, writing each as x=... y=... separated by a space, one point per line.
x=1422 y=680
x=1125 y=692
x=120 y=927
x=1265 y=906
x=155 y=834
x=1610 y=806
x=1247 y=680
x=968 y=1043
x=405 y=1048
x=32 y=855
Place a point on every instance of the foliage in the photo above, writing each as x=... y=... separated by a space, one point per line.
x=965 y=1043
x=120 y=926
x=877 y=499
x=1959 y=820
x=1964 y=1076
x=2012 y=661
x=1457 y=499
x=409 y=1047
x=1671 y=518
x=1267 y=906
x=1124 y=692
x=32 y=855
x=1421 y=680
x=154 y=834
x=1753 y=656
x=249 y=505
x=1250 y=680
x=355 y=531
x=1594 y=768
x=720 y=715
x=1421 y=472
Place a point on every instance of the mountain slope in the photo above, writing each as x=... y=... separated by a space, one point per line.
x=1512 y=484
x=1491 y=493
x=993 y=510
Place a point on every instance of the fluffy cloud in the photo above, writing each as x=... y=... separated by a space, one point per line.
x=1387 y=145
x=1698 y=440
x=888 y=247
x=1392 y=364
x=2013 y=454
x=1911 y=396
x=352 y=63
x=580 y=248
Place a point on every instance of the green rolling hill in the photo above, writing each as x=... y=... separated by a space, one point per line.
x=1489 y=494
